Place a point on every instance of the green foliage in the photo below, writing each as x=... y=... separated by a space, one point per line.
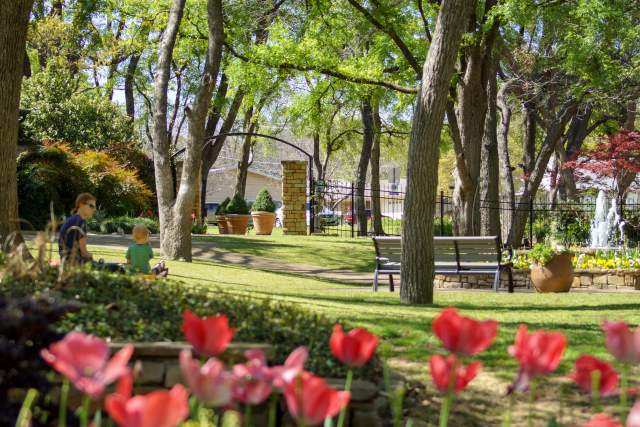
x=198 y=227
x=447 y=230
x=222 y=207
x=125 y=224
x=604 y=259
x=55 y=174
x=263 y=202
x=60 y=110
x=237 y=206
x=541 y=254
x=130 y=308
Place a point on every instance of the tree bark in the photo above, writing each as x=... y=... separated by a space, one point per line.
x=14 y=18
x=316 y=155
x=366 y=113
x=376 y=209
x=424 y=152
x=507 y=192
x=129 y=85
x=626 y=178
x=489 y=167
x=529 y=138
x=247 y=146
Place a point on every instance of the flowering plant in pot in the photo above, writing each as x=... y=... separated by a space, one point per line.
x=221 y=216
x=263 y=213
x=551 y=269
x=237 y=215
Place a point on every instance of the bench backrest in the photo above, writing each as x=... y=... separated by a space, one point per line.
x=455 y=253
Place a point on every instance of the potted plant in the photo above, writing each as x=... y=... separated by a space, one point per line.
x=221 y=216
x=263 y=213
x=551 y=270
x=237 y=215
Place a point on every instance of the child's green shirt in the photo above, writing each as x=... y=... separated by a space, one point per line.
x=138 y=257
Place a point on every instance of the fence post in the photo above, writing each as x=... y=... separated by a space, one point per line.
x=531 y=223
x=441 y=212
x=353 y=213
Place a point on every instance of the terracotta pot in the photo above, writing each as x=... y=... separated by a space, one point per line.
x=237 y=224
x=263 y=222
x=222 y=224
x=554 y=276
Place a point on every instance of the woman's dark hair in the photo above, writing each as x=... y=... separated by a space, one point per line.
x=83 y=199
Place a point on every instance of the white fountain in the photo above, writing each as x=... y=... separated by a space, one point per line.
x=605 y=222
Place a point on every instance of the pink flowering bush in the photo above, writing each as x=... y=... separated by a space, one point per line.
x=216 y=389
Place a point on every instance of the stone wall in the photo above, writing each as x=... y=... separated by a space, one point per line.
x=158 y=367
x=294 y=197
x=585 y=279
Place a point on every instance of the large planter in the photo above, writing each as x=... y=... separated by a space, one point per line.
x=263 y=222
x=222 y=224
x=237 y=224
x=554 y=276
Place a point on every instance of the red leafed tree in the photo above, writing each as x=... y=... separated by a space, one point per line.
x=616 y=157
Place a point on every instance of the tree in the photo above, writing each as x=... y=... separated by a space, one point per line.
x=419 y=205
x=14 y=18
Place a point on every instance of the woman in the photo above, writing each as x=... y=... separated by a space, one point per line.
x=72 y=242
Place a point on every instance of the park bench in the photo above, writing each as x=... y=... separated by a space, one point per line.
x=457 y=255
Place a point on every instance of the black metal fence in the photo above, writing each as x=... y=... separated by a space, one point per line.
x=334 y=213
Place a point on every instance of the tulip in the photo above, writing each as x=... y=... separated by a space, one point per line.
x=252 y=380
x=442 y=376
x=588 y=366
x=633 y=419
x=602 y=420
x=538 y=353
x=354 y=348
x=210 y=382
x=83 y=359
x=463 y=335
x=310 y=400
x=159 y=408
x=293 y=366
x=623 y=344
x=209 y=336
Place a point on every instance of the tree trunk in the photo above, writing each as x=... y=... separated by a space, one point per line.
x=376 y=209
x=424 y=152
x=247 y=146
x=577 y=133
x=489 y=168
x=626 y=178
x=366 y=113
x=129 y=83
x=507 y=192
x=316 y=155
x=14 y=18
x=529 y=138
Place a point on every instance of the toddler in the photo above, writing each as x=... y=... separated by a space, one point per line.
x=140 y=253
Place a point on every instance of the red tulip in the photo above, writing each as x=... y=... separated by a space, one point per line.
x=585 y=367
x=441 y=372
x=354 y=348
x=293 y=366
x=210 y=382
x=538 y=353
x=311 y=400
x=602 y=420
x=633 y=419
x=463 y=335
x=252 y=380
x=210 y=335
x=159 y=408
x=621 y=342
x=83 y=359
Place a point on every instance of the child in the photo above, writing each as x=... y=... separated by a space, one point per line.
x=139 y=254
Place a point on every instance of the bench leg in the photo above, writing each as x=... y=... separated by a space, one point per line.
x=375 y=281
x=391 y=287
x=510 y=273
x=496 y=281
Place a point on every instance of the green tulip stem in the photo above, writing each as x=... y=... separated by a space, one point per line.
x=595 y=391
x=347 y=387
x=272 y=410
x=84 y=415
x=509 y=414
x=247 y=416
x=532 y=398
x=25 y=410
x=62 y=409
x=624 y=392
x=448 y=397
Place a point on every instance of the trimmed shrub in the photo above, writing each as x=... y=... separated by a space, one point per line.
x=237 y=206
x=222 y=207
x=263 y=202
x=199 y=227
x=123 y=307
x=102 y=224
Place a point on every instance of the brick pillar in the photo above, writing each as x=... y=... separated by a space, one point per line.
x=294 y=197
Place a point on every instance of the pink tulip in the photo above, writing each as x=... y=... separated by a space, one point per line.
x=293 y=366
x=602 y=420
x=83 y=359
x=354 y=348
x=311 y=400
x=210 y=382
x=209 y=336
x=621 y=342
x=463 y=335
x=633 y=419
x=159 y=408
x=584 y=370
x=252 y=380
x=441 y=367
